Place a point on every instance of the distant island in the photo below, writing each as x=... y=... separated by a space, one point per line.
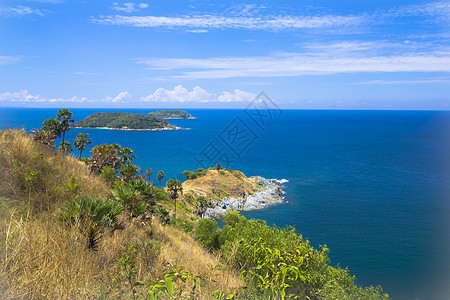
x=124 y=121
x=172 y=114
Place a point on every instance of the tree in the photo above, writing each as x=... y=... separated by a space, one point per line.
x=175 y=188
x=160 y=176
x=126 y=155
x=65 y=147
x=103 y=155
x=51 y=129
x=201 y=205
x=44 y=137
x=128 y=171
x=81 y=142
x=218 y=167
x=91 y=216
x=64 y=117
x=149 y=173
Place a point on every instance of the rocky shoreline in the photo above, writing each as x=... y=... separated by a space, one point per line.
x=270 y=192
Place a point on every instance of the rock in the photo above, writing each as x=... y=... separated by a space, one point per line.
x=271 y=192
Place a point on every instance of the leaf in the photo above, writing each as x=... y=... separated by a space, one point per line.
x=138 y=283
x=169 y=285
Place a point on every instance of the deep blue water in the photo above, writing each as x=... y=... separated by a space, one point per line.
x=371 y=185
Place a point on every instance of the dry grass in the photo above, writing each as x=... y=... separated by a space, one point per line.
x=44 y=178
x=216 y=184
x=42 y=259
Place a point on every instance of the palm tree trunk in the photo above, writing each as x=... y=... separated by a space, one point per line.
x=81 y=151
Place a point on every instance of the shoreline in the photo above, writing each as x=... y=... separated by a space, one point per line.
x=271 y=192
x=131 y=129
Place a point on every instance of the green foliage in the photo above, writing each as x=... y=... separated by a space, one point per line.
x=218 y=167
x=201 y=205
x=171 y=114
x=162 y=213
x=160 y=175
x=280 y=264
x=91 y=215
x=174 y=187
x=64 y=117
x=123 y=120
x=190 y=174
x=149 y=172
x=166 y=286
x=127 y=265
x=81 y=142
x=221 y=172
x=65 y=147
x=108 y=174
x=103 y=155
x=208 y=234
x=126 y=195
x=128 y=171
x=126 y=155
x=185 y=225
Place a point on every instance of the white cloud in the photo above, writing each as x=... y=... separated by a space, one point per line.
x=233 y=22
x=317 y=59
x=129 y=7
x=180 y=94
x=389 y=82
x=25 y=97
x=20 y=10
x=9 y=60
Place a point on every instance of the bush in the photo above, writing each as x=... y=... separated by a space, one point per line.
x=207 y=232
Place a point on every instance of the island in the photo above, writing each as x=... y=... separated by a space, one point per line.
x=172 y=114
x=227 y=189
x=124 y=121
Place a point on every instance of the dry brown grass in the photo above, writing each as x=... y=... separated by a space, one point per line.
x=42 y=259
x=30 y=171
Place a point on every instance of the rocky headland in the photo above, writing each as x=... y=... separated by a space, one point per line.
x=232 y=190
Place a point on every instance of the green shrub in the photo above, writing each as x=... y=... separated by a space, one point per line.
x=207 y=232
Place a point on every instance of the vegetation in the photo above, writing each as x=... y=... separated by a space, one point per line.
x=98 y=230
x=171 y=114
x=123 y=120
x=81 y=142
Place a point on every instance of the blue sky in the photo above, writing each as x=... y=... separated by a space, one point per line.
x=319 y=54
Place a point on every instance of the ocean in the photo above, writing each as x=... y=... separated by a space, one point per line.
x=371 y=185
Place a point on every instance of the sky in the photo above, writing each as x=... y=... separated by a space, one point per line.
x=303 y=54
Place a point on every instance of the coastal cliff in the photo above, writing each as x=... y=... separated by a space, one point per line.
x=231 y=190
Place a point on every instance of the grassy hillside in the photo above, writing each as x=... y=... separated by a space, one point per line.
x=66 y=233
x=123 y=120
x=214 y=184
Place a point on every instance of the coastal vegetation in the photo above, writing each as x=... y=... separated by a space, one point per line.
x=123 y=120
x=99 y=228
x=171 y=114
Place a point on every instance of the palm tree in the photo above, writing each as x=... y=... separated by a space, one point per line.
x=65 y=147
x=92 y=215
x=126 y=195
x=159 y=176
x=174 y=187
x=149 y=173
x=128 y=171
x=81 y=142
x=126 y=155
x=52 y=127
x=64 y=117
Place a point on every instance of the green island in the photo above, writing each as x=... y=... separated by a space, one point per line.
x=172 y=114
x=100 y=227
x=124 y=121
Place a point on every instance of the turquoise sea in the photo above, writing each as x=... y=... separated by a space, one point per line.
x=371 y=185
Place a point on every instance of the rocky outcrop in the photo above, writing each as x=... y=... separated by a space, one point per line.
x=270 y=191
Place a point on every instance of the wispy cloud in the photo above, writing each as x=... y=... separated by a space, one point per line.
x=24 y=96
x=232 y=22
x=20 y=10
x=348 y=57
x=180 y=94
x=390 y=82
x=9 y=60
x=129 y=7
